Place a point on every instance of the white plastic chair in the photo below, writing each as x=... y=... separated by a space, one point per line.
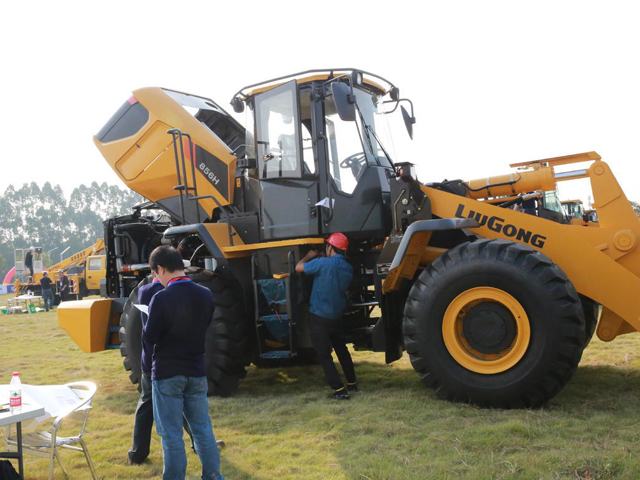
x=47 y=443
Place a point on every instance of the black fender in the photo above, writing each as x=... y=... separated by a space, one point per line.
x=392 y=302
x=429 y=226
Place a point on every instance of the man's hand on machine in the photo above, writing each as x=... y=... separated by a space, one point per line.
x=311 y=254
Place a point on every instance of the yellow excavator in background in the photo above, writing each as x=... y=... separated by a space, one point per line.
x=493 y=297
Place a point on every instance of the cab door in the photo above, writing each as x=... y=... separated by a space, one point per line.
x=95 y=271
x=286 y=164
x=357 y=199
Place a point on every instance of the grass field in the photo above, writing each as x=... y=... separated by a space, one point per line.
x=281 y=425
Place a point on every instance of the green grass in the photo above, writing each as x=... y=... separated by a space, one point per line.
x=281 y=425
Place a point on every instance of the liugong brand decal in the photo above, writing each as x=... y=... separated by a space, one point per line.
x=500 y=225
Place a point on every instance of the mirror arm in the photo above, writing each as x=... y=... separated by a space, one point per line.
x=351 y=97
x=397 y=102
x=410 y=103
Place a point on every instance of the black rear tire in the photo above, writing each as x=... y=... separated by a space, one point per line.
x=130 y=335
x=228 y=340
x=229 y=337
x=463 y=352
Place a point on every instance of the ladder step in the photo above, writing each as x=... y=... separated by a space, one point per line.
x=276 y=354
x=365 y=304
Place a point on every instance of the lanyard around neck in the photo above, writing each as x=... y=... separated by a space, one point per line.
x=178 y=280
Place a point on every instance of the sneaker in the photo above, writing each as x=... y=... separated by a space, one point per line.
x=340 y=395
x=352 y=387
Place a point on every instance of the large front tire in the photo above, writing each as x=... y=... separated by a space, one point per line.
x=494 y=323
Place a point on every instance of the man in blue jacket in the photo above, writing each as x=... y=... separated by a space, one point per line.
x=178 y=320
x=332 y=276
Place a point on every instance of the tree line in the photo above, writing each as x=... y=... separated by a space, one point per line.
x=43 y=217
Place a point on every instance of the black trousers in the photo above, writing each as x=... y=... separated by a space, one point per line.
x=143 y=422
x=327 y=334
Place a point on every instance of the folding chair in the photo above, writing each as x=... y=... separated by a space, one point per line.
x=48 y=443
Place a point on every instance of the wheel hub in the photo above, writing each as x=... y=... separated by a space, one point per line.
x=489 y=327
x=486 y=330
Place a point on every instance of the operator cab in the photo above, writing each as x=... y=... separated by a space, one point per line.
x=574 y=211
x=318 y=157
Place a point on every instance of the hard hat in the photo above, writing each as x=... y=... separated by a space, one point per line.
x=59 y=271
x=338 y=240
x=32 y=248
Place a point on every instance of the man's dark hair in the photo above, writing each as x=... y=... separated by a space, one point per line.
x=336 y=249
x=166 y=257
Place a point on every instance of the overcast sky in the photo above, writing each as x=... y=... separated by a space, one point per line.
x=493 y=82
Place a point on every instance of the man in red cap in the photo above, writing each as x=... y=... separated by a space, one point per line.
x=332 y=276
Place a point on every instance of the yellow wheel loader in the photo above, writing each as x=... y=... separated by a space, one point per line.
x=486 y=289
x=574 y=211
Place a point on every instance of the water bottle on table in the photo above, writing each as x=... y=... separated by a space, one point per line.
x=15 y=394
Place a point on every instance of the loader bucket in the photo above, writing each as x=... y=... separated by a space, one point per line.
x=86 y=322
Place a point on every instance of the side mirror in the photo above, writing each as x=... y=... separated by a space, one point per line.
x=345 y=104
x=237 y=104
x=408 y=121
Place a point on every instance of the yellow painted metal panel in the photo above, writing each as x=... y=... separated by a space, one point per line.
x=86 y=322
x=140 y=155
x=145 y=161
x=282 y=243
x=565 y=160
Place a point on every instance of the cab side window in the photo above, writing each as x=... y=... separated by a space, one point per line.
x=278 y=133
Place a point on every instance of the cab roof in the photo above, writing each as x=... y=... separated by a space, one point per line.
x=371 y=80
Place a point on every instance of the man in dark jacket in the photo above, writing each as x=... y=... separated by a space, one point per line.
x=28 y=260
x=63 y=286
x=143 y=422
x=178 y=320
x=47 y=292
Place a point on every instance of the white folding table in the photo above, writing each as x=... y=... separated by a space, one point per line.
x=28 y=412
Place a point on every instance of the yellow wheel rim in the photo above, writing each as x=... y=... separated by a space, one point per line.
x=488 y=361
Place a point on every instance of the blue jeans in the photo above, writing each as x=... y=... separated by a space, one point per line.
x=173 y=397
x=47 y=296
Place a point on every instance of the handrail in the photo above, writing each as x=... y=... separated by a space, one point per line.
x=184 y=188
